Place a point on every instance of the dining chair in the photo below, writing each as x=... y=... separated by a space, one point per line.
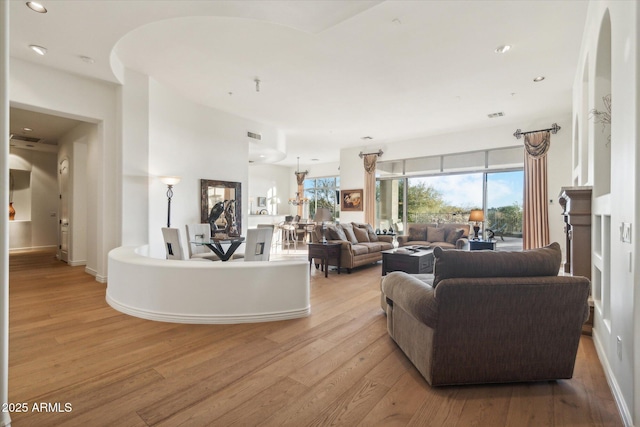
x=289 y=234
x=172 y=243
x=274 y=234
x=258 y=244
x=199 y=231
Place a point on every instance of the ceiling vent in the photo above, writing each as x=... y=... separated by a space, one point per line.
x=254 y=135
x=26 y=139
x=494 y=115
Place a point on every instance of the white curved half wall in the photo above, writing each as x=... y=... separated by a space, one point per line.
x=206 y=292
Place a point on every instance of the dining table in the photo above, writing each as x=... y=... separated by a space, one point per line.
x=223 y=247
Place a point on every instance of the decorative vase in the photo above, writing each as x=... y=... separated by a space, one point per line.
x=12 y=212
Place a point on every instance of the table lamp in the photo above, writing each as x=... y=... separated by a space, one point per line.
x=322 y=215
x=476 y=215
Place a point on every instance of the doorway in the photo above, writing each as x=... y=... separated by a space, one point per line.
x=63 y=215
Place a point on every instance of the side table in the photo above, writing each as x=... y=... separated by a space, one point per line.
x=324 y=251
x=479 y=245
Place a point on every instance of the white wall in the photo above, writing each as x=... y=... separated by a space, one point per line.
x=134 y=118
x=193 y=142
x=272 y=182
x=51 y=91
x=74 y=145
x=41 y=230
x=558 y=157
x=617 y=314
x=5 y=418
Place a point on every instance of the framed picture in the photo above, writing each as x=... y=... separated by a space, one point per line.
x=351 y=200
x=262 y=202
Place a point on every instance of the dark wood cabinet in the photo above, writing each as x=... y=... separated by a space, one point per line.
x=576 y=205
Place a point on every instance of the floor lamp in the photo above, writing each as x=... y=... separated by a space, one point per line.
x=170 y=181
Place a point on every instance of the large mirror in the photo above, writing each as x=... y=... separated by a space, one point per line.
x=226 y=197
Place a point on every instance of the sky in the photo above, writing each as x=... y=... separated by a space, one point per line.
x=465 y=190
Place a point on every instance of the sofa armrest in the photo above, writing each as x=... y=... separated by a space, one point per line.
x=346 y=246
x=385 y=238
x=462 y=243
x=414 y=296
x=403 y=240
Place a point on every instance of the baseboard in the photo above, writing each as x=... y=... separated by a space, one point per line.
x=613 y=384
x=77 y=263
x=99 y=278
x=31 y=248
x=210 y=319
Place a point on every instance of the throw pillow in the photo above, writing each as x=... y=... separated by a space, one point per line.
x=361 y=234
x=530 y=263
x=333 y=232
x=435 y=234
x=453 y=236
x=373 y=237
x=418 y=232
x=348 y=231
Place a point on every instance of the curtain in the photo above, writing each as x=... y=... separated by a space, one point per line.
x=300 y=176
x=535 y=221
x=370 y=188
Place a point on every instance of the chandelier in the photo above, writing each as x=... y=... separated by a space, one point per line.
x=299 y=201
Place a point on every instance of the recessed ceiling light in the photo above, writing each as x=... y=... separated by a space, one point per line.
x=38 y=49
x=36 y=7
x=27 y=129
x=366 y=137
x=502 y=49
x=262 y=156
x=315 y=160
x=538 y=79
x=87 y=59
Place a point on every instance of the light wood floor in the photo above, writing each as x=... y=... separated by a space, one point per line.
x=336 y=367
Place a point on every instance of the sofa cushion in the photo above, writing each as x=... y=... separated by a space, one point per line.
x=373 y=237
x=418 y=232
x=373 y=247
x=417 y=243
x=361 y=234
x=359 y=249
x=456 y=226
x=533 y=262
x=348 y=231
x=442 y=245
x=384 y=246
x=452 y=236
x=435 y=234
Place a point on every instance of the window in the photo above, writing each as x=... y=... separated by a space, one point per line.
x=446 y=188
x=323 y=193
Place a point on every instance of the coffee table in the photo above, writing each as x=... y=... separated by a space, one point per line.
x=418 y=262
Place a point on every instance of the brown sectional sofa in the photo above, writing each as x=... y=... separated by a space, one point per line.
x=445 y=235
x=360 y=244
x=488 y=317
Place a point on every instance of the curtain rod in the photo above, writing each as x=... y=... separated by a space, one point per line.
x=379 y=153
x=554 y=129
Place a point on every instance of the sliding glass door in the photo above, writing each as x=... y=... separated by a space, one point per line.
x=449 y=198
x=504 y=206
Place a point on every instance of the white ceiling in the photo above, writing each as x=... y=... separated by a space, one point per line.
x=331 y=72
